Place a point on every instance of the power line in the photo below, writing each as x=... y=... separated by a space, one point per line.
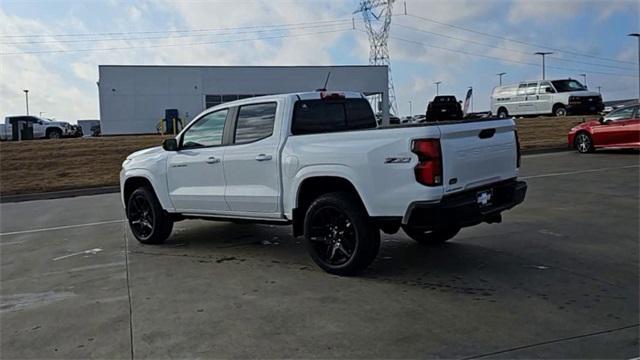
x=336 y=23
x=509 y=49
x=168 y=31
x=458 y=51
x=176 y=45
x=517 y=41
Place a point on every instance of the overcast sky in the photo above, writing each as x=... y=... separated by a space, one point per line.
x=426 y=45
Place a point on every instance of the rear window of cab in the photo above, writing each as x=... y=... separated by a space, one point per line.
x=324 y=115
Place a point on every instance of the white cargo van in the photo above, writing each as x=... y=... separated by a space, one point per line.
x=556 y=97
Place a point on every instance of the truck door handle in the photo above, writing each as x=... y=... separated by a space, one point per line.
x=486 y=133
x=263 y=157
x=212 y=160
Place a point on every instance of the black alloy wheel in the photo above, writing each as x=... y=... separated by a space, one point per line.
x=339 y=235
x=149 y=223
x=333 y=236
x=141 y=217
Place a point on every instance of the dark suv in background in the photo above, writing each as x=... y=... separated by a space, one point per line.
x=444 y=107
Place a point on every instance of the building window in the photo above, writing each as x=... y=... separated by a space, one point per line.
x=213 y=100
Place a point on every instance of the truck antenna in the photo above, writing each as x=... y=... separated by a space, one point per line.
x=326 y=81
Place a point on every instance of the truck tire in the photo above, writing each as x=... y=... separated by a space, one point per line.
x=502 y=113
x=431 y=237
x=54 y=134
x=148 y=221
x=339 y=235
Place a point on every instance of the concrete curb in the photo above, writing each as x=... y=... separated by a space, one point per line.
x=59 y=194
x=115 y=189
x=545 y=150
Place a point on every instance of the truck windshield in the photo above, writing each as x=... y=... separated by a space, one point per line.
x=568 y=85
x=321 y=116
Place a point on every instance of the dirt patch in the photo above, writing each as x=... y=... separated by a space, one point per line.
x=52 y=165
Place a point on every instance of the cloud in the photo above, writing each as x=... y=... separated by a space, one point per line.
x=548 y=11
x=542 y=10
x=63 y=84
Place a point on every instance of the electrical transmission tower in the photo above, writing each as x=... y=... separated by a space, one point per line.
x=377 y=19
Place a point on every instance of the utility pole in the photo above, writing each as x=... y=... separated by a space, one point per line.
x=543 y=54
x=26 y=98
x=584 y=78
x=500 y=75
x=638 y=36
x=438 y=87
x=376 y=15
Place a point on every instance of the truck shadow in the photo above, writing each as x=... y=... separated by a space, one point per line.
x=400 y=259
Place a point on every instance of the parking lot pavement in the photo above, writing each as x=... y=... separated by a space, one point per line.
x=558 y=278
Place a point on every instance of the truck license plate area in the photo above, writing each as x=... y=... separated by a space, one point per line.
x=484 y=198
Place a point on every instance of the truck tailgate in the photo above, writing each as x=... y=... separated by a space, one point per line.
x=477 y=153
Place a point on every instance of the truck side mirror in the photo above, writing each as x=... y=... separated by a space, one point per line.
x=170 y=144
x=549 y=90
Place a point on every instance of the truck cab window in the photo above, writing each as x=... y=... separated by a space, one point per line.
x=207 y=131
x=320 y=116
x=255 y=122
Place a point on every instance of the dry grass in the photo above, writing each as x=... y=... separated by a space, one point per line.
x=546 y=132
x=51 y=165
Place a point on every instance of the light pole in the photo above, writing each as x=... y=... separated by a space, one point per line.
x=26 y=98
x=638 y=36
x=584 y=78
x=410 y=108
x=438 y=87
x=500 y=75
x=543 y=54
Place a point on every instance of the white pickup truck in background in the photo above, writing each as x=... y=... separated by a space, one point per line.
x=42 y=127
x=319 y=161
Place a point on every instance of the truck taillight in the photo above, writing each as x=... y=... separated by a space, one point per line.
x=429 y=169
x=518 y=155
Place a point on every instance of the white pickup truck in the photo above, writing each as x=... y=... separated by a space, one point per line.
x=41 y=127
x=319 y=162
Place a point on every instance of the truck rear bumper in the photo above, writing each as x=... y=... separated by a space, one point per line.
x=463 y=209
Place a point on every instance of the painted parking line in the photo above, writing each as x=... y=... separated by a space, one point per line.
x=62 y=227
x=579 y=172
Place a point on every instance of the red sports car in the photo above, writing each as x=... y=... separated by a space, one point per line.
x=619 y=129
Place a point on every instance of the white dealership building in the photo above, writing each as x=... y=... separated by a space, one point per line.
x=133 y=99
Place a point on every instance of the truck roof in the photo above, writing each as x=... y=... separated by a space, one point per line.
x=308 y=95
